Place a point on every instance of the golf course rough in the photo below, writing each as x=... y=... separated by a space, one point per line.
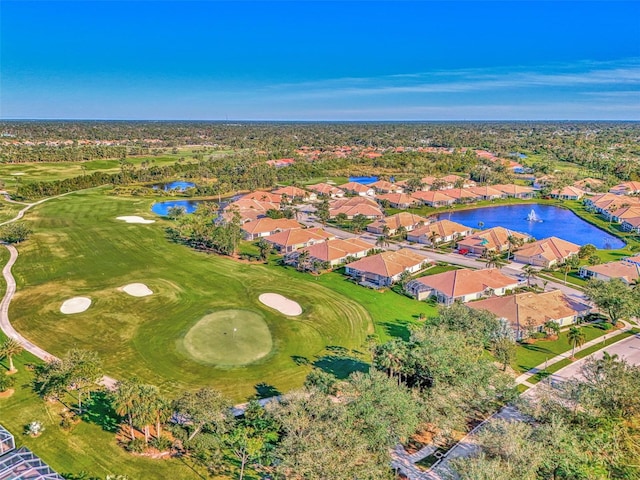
x=228 y=338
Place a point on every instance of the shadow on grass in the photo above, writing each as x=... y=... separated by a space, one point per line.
x=300 y=360
x=98 y=410
x=264 y=390
x=398 y=329
x=340 y=366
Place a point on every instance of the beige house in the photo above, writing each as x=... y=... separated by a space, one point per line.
x=356 y=188
x=334 y=252
x=288 y=241
x=326 y=190
x=526 y=312
x=546 y=252
x=463 y=195
x=462 y=285
x=628 y=272
x=626 y=188
x=382 y=186
x=355 y=206
x=515 y=191
x=439 y=232
x=263 y=227
x=386 y=268
x=249 y=209
x=433 y=198
x=488 y=193
x=295 y=193
x=494 y=239
x=397 y=200
x=393 y=223
x=568 y=193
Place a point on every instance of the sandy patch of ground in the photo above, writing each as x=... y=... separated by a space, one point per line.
x=75 y=305
x=17 y=174
x=280 y=303
x=137 y=290
x=134 y=219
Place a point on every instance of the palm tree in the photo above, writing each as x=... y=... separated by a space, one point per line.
x=493 y=260
x=10 y=348
x=433 y=237
x=454 y=241
x=513 y=242
x=529 y=273
x=144 y=411
x=264 y=248
x=552 y=328
x=569 y=264
x=576 y=337
x=382 y=241
x=124 y=400
x=303 y=258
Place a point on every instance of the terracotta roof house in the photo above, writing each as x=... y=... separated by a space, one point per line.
x=326 y=190
x=625 y=271
x=263 y=196
x=568 y=193
x=609 y=202
x=385 y=268
x=382 y=186
x=544 y=181
x=635 y=259
x=403 y=219
x=397 y=200
x=462 y=285
x=249 y=209
x=427 y=182
x=530 y=311
x=626 y=188
x=334 y=252
x=453 y=179
x=263 y=227
x=295 y=193
x=356 y=188
x=490 y=240
x=631 y=225
x=355 y=206
x=516 y=191
x=281 y=162
x=588 y=184
x=439 y=232
x=487 y=192
x=546 y=252
x=463 y=195
x=620 y=214
x=433 y=198
x=288 y=241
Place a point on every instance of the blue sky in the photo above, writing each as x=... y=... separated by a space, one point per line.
x=328 y=60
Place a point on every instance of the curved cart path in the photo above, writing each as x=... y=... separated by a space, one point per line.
x=5 y=323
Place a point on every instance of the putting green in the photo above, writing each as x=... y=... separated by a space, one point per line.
x=228 y=338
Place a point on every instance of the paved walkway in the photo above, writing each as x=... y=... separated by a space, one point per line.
x=527 y=375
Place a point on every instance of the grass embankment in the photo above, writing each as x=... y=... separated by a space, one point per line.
x=532 y=355
x=581 y=354
x=90 y=447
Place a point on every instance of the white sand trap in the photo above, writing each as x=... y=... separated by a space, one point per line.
x=137 y=290
x=17 y=174
x=280 y=303
x=75 y=305
x=134 y=219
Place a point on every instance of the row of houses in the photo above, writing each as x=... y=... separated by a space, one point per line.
x=617 y=208
x=627 y=270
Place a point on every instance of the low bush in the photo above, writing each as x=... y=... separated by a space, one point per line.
x=161 y=444
x=137 y=445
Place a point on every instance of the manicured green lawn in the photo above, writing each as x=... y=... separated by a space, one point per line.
x=8 y=210
x=79 y=248
x=532 y=355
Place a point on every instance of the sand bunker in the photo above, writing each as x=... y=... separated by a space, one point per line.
x=17 y=174
x=137 y=290
x=75 y=305
x=280 y=303
x=134 y=219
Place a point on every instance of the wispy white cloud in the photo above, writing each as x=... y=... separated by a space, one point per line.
x=579 y=75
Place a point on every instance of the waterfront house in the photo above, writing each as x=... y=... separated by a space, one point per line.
x=546 y=252
x=462 y=285
x=433 y=198
x=441 y=231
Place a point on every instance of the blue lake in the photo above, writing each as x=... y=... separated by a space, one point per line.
x=363 y=180
x=556 y=222
x=162 y=208
x=181 y=186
